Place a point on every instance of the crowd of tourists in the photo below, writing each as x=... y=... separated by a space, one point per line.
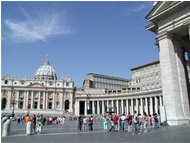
x=136 y=123
x=37 y=121
x=85 y=122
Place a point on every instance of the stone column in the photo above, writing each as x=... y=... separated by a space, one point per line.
x=32 y=100
x=132 y=107
x=39 y=100
x=93 y=109
x=156 y=104
x=44 y=100
x=71 y=103
x=47 y=100
x=127 y=108
x=9 y=100
x=174 y=86
x=146 y=106
x=117 y=102
x=141 y=107
x=17 y=99
x=24 y=100
x=27 y=100
x=160 y=98
x=61 y=104
x=85 y=107
x=151 y=106
x=76 y=108
x=103 y=107
x=122 y=111
x=112 y=103
x=53 y=101
x=136 y=105
x=98 y=107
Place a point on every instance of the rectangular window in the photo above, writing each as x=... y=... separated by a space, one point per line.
x=49 y=105
x=21 y=104
x=6 y=82
x=35 y=105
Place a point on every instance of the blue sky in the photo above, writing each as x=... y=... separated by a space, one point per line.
x=79 y=38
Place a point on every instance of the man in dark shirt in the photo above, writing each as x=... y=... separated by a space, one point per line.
x=34 y=123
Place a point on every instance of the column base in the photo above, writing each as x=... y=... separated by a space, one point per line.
x=174 y=122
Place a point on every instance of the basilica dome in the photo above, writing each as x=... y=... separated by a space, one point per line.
x=45 y=71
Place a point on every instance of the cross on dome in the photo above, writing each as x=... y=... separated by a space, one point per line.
x=46 y=62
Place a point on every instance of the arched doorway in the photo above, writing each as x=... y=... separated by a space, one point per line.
x=3 y=103
x=66 y=105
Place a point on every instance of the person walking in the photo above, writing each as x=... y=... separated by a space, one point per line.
x=40 y=122
x=156 y=124
x=27 y=118
x=106 y=121
x=85 y=123
x=18 y=120
x=145 y=122
x=129 y=121
x=80 y=121
x=135 y=121
x=34 y=123
x=115 y=120
x=111 y=125
x=90 y=123
x=123 y=122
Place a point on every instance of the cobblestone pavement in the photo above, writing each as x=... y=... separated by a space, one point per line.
x=69 y=134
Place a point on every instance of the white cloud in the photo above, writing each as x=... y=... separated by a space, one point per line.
x=36 y=27
x=139 y=8
x=143 y=7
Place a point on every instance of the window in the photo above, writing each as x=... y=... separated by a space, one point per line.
x=50 y=105
x=21 y=104
x=6 y=82
x=22 y=82
x=67 y=83
x=35 y=105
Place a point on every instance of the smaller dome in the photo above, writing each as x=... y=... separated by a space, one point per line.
x=46 y=71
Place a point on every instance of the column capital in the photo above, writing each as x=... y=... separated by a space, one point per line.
x=164 y=35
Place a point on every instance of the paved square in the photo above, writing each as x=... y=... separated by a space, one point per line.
x=69 y=134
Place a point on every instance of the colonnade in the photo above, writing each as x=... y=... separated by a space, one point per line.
x=38 y=100
x=149 y=104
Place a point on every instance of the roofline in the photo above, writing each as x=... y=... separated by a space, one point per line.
x=108 y=76
x=158 y=4
x=145 y=65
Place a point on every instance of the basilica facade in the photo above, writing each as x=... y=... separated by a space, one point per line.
x=43 y=93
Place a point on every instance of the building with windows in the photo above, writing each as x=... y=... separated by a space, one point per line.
x=104 y=81
x=143 y=92
x=146 y=77
x=42 y=94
